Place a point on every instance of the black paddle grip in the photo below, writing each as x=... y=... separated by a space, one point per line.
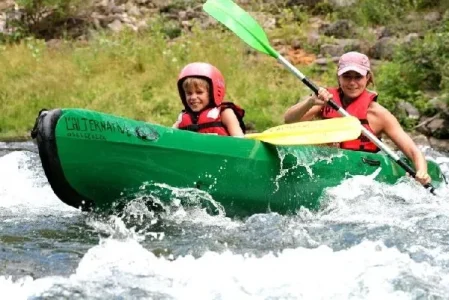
x=315 y=89
x=310 y=85
x=334 y=105
x=412 y=173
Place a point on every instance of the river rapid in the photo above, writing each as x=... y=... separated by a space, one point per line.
x=369 y=241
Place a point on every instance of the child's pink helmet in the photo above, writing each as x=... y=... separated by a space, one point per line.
x=208 y=72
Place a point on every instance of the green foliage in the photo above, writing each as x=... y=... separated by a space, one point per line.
x=418 y=68
x=322 y=8
x=292 y=23
x=424 y=62
x=376 y=12
x=423 y=4
x=176 y=5
x=171 y=29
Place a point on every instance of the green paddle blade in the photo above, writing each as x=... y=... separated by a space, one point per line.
x=241 y=23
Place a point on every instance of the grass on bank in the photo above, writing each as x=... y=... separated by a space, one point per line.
x=134 y=75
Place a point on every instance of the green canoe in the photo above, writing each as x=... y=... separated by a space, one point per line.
x=101 y=161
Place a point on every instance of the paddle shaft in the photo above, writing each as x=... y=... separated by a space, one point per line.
x=343 y=112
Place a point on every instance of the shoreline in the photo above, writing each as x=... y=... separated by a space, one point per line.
x=15 y=139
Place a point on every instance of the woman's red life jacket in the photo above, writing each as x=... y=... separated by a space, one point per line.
x=209 y=120
x=359 y=109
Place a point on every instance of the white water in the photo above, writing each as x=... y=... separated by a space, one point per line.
x=24 y=190
x=370 y=241
x=116 y=268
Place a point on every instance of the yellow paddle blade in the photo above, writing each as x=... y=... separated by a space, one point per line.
x=311 y=132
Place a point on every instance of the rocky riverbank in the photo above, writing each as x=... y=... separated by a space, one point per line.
x=322 y=43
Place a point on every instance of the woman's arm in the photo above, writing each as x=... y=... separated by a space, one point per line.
x=307 y=109
x=231 y=122
x=392 y=128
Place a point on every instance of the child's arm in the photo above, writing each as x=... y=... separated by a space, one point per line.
x=178 y=121
x=231 y=122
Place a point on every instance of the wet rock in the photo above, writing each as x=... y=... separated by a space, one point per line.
x=133 y=10
x=383 y=31
x=411 y=37
x=409 y=110
x=413 y=17
x=317 y=23
x=142 y=24
x=420 y=139
x=116 y=26
x=332 y=50
x=118 y=9
x=2 y=22
x=6 y=4
x=265 y=20
x=383 y=48
x=439 y=128
x=322 y=61
x=432 y=17
x=350 y=44
x=440 y=104
x=296 y=44
x=342 y=3
x=278 y=42
x=313 y=39
x=439 y=144
x=389 y=143
x=54 y=44
x=339 y=29
x=303 y=2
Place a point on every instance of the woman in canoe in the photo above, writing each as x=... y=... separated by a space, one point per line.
x=354 y=75
x=202 y=89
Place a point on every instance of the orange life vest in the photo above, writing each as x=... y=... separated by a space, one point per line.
x=359 y=109
x=209 y=120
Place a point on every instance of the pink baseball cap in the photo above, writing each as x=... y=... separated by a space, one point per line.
x=353 y=61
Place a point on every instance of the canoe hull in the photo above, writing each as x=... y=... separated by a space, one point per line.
x=96 y=160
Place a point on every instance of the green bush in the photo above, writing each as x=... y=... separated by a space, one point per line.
x=423 y=4
x=418 y=69
x=425 y=62
x=375 y=12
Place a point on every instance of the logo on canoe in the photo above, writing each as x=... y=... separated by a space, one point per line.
x=146 y=133
x=97 y=126
x=93 y=129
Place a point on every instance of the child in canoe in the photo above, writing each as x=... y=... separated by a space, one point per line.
x=354 y=75
x=202 y=89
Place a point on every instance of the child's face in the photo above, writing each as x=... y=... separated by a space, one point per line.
x=197 y=97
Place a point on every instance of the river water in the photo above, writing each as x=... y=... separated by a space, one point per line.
x=369 y=241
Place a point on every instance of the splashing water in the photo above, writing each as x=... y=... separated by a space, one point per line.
x=369 y=241
x=302 y=158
